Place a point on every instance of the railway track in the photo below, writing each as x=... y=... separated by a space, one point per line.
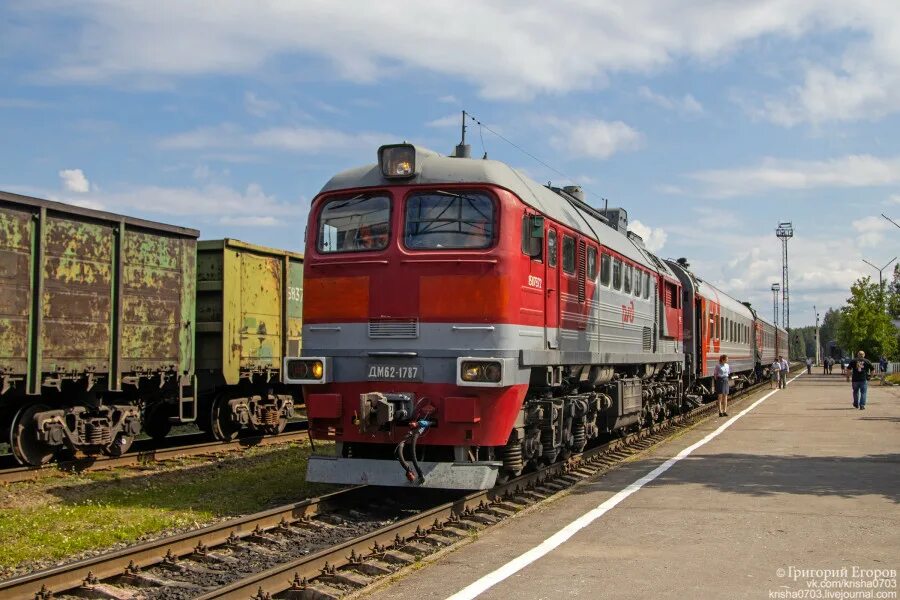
x=296 y=431
x=298 y=551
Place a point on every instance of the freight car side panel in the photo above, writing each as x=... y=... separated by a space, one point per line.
x=294 y=303
x=157 y=302
x=249 y=308
x=77 y=296
x=260 y=309
x=16 y=236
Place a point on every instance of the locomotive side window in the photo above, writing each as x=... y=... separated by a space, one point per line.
x=442 y=220
x=354 y=224
x=605 y=261
x=592 y=263
x=617 y=274
x=638 y=282
x=532 y=245
x=568 y=258
x=647 y=286
x=551 y=248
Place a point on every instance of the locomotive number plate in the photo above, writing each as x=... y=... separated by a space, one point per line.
x=394 y=372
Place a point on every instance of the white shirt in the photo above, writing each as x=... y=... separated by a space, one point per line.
x=784 y=364
x=776 y=366
x=723 y=370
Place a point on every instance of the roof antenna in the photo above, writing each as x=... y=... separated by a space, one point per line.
x=463 y=150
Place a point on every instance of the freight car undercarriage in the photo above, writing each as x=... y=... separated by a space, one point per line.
x=75 y=413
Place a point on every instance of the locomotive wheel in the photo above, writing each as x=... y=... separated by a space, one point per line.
x=223 y=428
x=156 y=422
x=120 y=445
x=23 y=440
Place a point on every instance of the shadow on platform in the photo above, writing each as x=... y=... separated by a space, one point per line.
x=768 y=475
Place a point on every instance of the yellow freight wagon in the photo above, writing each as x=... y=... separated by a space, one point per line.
x=249 y=310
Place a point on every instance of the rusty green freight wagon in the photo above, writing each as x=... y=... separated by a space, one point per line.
x=249 y=309
x=96 y=322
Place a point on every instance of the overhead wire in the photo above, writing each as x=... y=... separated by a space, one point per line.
x=530 y=155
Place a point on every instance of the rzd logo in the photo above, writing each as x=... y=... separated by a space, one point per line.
x=628 y=312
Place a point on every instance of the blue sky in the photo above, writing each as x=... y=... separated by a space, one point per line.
x=709 y=121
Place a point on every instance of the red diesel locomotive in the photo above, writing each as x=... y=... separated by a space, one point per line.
x=462 y=322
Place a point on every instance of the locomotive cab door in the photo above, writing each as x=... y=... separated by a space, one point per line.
x=551 y=319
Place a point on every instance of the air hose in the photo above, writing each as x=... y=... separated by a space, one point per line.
x=417 y=429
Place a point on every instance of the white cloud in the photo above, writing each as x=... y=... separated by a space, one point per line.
x=257 y=106
x=894 y=199
x=822 y=265
x=871 y=230
x=448 y=100
x=593 y=138
x=454 y=120
x=862 y=170
x=687 y=104
x=117 y=40
x=73 y=180
x=654 y=237
x=295 y=139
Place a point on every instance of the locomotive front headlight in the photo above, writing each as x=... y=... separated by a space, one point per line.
x=306 y=370
x=481 y=371
x=471 y=372
x=398 y=161
x=317 y=369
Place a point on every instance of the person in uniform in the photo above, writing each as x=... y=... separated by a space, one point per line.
x=722 y=375
x=858 y=374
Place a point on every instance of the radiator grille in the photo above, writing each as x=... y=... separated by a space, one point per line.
x=393 y=328
x=648 y=339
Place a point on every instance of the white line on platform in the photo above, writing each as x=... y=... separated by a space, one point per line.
x=520 y=562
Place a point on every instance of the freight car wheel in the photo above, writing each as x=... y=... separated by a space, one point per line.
x=23 y=440
x=156 y=422
x=223 y=427
x=120 y=445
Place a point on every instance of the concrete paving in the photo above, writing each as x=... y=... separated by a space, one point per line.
x=801 y=482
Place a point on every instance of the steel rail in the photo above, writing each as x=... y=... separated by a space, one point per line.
x=66 y=577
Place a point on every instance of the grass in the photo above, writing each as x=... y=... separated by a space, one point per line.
x=59 y=517
x=893 y=378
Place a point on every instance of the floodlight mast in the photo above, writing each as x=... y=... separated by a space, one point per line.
x=784 y=232
x=776 y=287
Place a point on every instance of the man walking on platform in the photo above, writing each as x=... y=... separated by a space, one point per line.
x=808 y=366
x=782 y=381
x=858 y=373
x=775 y=373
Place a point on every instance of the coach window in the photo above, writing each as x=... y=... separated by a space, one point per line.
x=605 y=266
x=592 y=263
x=617 y=274
x=551 y=248
x=626 y=284
x=568 y=258
x=441 y=220
x=354 y=224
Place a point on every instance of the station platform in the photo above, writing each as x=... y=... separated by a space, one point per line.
x=795 y=495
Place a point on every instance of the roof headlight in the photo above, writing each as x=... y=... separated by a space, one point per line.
x=398 y=161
